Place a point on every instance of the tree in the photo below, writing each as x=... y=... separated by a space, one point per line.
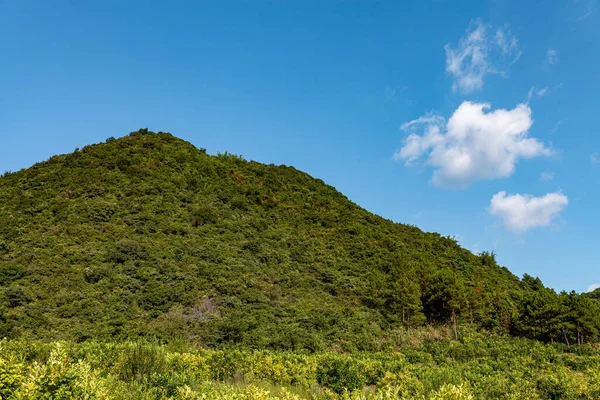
x=582 y=317
x=446 y=296
x=404 y=298
x=542 y=312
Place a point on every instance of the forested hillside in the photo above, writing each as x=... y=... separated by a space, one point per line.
x=148 y=236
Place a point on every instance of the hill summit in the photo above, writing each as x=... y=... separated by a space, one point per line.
x=147 y=235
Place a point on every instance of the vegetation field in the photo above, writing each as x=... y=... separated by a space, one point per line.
x=145 y=268
x=426 y=364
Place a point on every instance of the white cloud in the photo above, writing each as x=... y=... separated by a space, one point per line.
x=595 y=158
x=537 y=92
x=414 y=145
x=556 y=126
x=458 y=238
x=523 y=212
x=552 y=56
x=390 y=93
x=476 y=54
x=473 y=144
x=589 y=8
x=546 y=176
x=593 y=287
x=508 y=43
x=584 y=16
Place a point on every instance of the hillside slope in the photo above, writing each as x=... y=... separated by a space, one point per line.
x=148 y=236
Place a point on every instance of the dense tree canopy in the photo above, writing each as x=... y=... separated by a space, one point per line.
x=147 y=235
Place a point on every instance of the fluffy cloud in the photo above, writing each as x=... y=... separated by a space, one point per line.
x=552 y=56
x=593 y=287
x=523 y=212
x=478 y=54
x=473 y=144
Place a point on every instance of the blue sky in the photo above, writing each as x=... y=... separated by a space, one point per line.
x=476 y=119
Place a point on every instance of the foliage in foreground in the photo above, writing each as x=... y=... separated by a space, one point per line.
x=480 y=366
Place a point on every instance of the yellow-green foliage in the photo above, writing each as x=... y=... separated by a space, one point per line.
x=402 y=384
x=479 y=367
x=61 y=377
x=11 y=376
x=453 y=392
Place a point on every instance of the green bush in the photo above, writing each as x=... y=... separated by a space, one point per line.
x=146 y=370
x=11 y=377
x=340 y=374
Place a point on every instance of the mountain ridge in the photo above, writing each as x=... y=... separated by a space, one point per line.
x=147 y=235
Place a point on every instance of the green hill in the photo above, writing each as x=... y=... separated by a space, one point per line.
x=149 y=236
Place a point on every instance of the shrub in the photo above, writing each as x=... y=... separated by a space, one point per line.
x=453 y=392
x=127 y=249
x=339 y=373
x=11 y=377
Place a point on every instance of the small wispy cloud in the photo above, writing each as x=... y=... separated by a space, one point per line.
x=593 y=287
x=546 y=176
x=534 y=91
x=458 y=238
x=508 y=43
x=552 y=56
x=556 y=127
x=595 y=158
x=537 y=92
x=479 y=54
x=390 y=93
x=589 y=7
x=584 y=16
